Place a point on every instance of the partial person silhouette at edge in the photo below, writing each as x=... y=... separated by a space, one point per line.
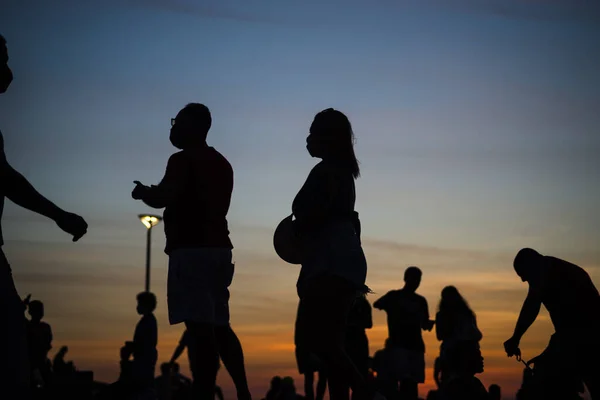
x=14 y=368
x=407 y=316
x=456 y=324
x=334 y=266
x=573 y=303
x=39 y=342
x=198 y=182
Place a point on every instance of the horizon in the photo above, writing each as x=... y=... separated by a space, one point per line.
x=476 y=128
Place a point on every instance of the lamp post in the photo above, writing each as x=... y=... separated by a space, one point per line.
x=149 y=222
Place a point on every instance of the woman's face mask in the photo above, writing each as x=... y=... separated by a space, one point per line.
x=318 y=142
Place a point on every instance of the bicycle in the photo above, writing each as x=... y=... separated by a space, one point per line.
x=546 y=381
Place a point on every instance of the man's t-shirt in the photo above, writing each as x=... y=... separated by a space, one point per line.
x=199 y=183
x=406 y=314
x=570 y=297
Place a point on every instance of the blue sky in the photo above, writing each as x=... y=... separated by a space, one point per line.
x=476 y=121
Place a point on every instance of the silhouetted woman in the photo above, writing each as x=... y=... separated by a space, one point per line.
x=456 y=325
x=334 y=267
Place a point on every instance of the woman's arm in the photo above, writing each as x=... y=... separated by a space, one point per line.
x=442 y=327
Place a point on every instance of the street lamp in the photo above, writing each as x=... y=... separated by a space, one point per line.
x=149 y=222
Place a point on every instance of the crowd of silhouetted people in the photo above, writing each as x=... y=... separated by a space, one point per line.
x=394 y=372
x=323 y=236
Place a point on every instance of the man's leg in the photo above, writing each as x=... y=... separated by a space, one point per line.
x=232 y=355
x=325 y=308
x=590 y=373
x=205 y=360
x=228 y=345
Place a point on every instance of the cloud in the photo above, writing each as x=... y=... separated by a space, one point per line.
x=547 y=10
x=205 y=9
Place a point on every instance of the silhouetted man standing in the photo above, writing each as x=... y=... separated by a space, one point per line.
x=14 y=369
x=196 y=193
x=573 y=303
x=39 y=342
x=407 y=314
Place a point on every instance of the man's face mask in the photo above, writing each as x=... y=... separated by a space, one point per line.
x=6 y=75
x=180 y=131
x=6 y=78
x=177 y=136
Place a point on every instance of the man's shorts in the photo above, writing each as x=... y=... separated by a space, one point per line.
x=406 y=364
x=198 y=285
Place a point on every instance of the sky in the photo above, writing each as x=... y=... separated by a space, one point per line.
x=476 y=124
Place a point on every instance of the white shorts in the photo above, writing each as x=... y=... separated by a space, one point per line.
x=198 y=285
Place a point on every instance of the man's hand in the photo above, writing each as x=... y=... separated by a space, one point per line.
x=429 y=325
x=139 y=190
x=73 y=224
x=27 y=300
x=511 y=346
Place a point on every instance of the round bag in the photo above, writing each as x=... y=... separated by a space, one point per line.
x=286 y=242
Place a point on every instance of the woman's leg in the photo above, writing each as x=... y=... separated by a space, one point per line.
x=326 y=304
x=309 y=392
x=321 y=385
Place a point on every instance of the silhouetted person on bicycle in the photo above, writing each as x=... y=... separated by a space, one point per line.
x=573 y=303
x=14 y=368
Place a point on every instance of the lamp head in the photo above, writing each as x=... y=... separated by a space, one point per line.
x=149 y=220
